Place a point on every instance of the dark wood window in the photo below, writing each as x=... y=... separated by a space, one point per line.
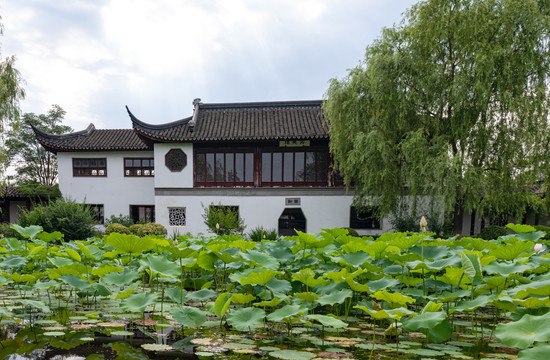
x=224 y=168
x=139 y=167
x=97 y=210
x=364 y=218
x=89 y=167
x=297 y=167
x=142 y=213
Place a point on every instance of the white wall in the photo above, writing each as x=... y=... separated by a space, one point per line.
x=320 y=211
x=115 y=191
x=164 y=178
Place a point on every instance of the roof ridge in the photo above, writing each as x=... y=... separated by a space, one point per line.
x=76 y=134
x=261 y=104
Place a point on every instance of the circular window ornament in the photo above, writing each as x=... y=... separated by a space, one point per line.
x=175 y=160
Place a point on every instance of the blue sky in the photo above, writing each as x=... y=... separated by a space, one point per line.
x=94 y=57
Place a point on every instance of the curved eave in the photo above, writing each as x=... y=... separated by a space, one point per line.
x=136 y=123
x=54 y=137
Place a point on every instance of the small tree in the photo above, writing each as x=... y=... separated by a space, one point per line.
x=223 y=220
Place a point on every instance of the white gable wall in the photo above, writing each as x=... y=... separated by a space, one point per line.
x=164 y=178
x=115 y=191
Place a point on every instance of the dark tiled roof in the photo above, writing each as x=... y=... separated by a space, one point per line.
x=291 y=120
x=10 y=192
x=91 y=139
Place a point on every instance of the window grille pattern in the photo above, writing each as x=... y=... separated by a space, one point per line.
x=139 y=167
x=90 y=167
x=176 y=216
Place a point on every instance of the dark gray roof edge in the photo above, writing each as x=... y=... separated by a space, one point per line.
x=47 y=136
x=143 y=125
x=262 y=104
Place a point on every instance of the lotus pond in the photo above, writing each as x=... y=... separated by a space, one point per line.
x=323 y=296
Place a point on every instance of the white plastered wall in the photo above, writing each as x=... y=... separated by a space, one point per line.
x=115 y=191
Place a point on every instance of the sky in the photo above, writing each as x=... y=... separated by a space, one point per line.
x=93 y=57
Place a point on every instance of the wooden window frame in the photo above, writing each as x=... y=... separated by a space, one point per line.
x=99 y=212
x=293 y=182
x=221 y=180
x=101 y=170
x=141 y=168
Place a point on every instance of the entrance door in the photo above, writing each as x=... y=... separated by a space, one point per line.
x=290 y=220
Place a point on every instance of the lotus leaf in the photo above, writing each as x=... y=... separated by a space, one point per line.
x=286 y=312
x=356 y=259
x=105 y=269
x=328 y=321
x=137 y=303
x=511 y=251
x=242 y=298
x=35 y=304
x=261 y=278
x=307 y=277
x=472 y=305
x=49 y=237
x=246 y=319
x=206 y=260
x=394 y=299
x=129 y=244
x=29 y=232
x=188 y=316
x=162 y=265
x=335 y=297
x=292 y=355
x=73 y=255
x=523 y=333
x=435 y=325
x=385 y=314
x=537 y=353
x=75 y=281
x=472 y=267
x=384 y=283
x=201 y=295
x=120 y=278
x=261 y=259
x=280 y=286
x=177 y=295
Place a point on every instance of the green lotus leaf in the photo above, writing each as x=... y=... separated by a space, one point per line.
x=376 y=249
x=120 y=278
x=524 y=332
x=453 y=276
x=355 y=286
x=129 y=244
x=307 y=297
x=532 y=236
x=472 y=267
x=307 y=277
x=162 y=265
x=260 y=259
x=13 y=261
x=221 y=305
x=49 y=237
x=384 y=283
x=271 y=303
x=328 y=321
x=335 y=298
x=177 y=295
x=356 y=259
x=540 y=287
x=343 y=275
x=292 y=355
x=385 y=314
x=35 y=304
x=520 y=228
x=105 y=269
x=242 y=298
x=435 y=324
x=403 y=242
x=188 y=316
x=75 y=281
x=246 y=319
x=201 y=295
x=431 y=307
x=36 y=250
x=532 y=302
x=282 y=252
x=18 y=278
x=261 y=278
x=137 y=303
x=286 y=312
x=84 y=250
x=472 y=305
x=60 y=261
x=29 y=232
x=537 y=353
x=505 y=269
x=511 y=251
x=99 y=290
x=206 y=260
x=280 y=286
x=73 y=254
x=394 y=299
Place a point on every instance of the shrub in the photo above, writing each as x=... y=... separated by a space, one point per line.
x=6 y=231
x=125 y=220
x=119 y=228
x=546 y=229
x=223 y=220
x=153 y=229
x=74 y=220
x=136 y=229
x=492 y=232
x=259 y=234
x=352 y=232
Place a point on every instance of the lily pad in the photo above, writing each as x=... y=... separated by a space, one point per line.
x=292 y=355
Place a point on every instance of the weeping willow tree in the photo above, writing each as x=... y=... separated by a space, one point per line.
x=451 y=104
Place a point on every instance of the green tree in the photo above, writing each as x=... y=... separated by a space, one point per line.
x=451 y=103
x=32 y=162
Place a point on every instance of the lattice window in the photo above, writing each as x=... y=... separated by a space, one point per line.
x=139 y=167
x=176 y=216
x=89 y=167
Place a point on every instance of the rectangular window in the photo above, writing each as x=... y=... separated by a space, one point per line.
x=97 y=210
x=364 y=218
x=142 y=213
x=297 y=168
x=176 y=216
x=90 y=167
x=224 y=168
x=139 y=167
